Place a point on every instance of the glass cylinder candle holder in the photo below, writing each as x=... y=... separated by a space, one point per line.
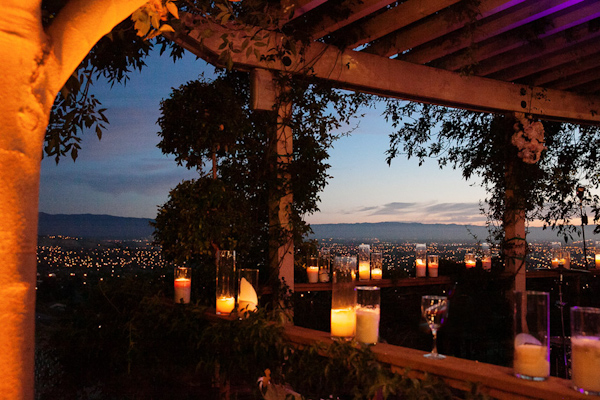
x=225 y=282
x=597 y=255
x=486 y=257
x=565 y=260
x=555 y=254
x=585 y=349
x=324 y=265
x=367 y=314
x=432 y=265
x=364 y=262
x=247 y=290
x=376 y=265
x=343 y=298
x=470 y=260
x=183 y=284
x=312 y=269
x=421 y=260
x=532 y=340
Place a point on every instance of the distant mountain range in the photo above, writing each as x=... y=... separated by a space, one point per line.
x=107 y=227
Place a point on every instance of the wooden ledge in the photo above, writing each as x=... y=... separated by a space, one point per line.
x=442 y=280
x=495 y=381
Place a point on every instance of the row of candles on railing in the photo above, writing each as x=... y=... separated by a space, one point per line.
x=243 y=283
x=370 y=263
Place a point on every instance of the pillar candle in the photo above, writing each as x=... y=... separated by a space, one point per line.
x=183 y=288
x=421 y=267
x=313 y=274
x=367 y=324
x=376 y=273
x=433 y=270
x=364 y=270
x=343 y=322
x=554 y=263
x=531 y=360
x=225 y=305
x=585 y=362
x=597 y=258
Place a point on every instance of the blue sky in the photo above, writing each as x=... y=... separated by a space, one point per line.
x=124 y=174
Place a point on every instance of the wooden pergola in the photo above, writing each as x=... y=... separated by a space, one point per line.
x=540 y=57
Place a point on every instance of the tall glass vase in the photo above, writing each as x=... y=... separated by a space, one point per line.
x=343 y=298
x=225 y=281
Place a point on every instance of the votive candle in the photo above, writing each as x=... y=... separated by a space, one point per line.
x=597 y=259
x=343 y=322
x=225 y=305
x=470 y=261
x=554 y=263
x=433 y=263
x=364 y=270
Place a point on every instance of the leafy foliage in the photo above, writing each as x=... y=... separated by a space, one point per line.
x=210 y=123
x=479 y=144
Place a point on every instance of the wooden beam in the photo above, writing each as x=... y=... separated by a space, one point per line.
x=436 y=26
x=394 y=78
x=489 y=27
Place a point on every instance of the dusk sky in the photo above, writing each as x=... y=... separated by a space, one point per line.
x=125 y=174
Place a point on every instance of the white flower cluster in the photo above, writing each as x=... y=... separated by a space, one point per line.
x=528 y=138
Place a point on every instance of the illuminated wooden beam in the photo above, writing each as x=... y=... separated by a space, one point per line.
x=382 y=76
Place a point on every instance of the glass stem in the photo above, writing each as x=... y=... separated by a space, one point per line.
x=434 y=351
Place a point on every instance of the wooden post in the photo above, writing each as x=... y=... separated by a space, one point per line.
x=266 y=95
x=515 y=245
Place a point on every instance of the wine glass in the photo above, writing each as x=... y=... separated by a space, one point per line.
x=435 y=311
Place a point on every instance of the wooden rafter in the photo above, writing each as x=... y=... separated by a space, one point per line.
x=386 y=77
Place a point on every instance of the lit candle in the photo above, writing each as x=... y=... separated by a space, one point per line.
x=183 y=288
x=531 y=360
x=486 y=263
x=421 y=267
x=376 y=273
x=470 y=261
x=364 y=270
x=554 y=263
x=433 y=269
x=585 y=362
x=367 y=324
x=343 y=322
x=313 y=274
x=225 y=305
x=597 y=259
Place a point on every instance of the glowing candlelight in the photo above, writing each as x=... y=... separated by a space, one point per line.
x=433 y=261
x=585 y=362
x=531 y=360
x=343 y=322
x=225 y=305
x=183 y=289
x=376 y=273
x=367 y=324
x=421 y=268
x=470 y=261
x=364 y=270
x=597 y=259
x=554 y=263
x=313 y=274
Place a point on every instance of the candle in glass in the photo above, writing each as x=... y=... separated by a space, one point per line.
x=585 y=349
x=247 y=286
x=367 y=314
x=486 y=257
x=364 y=262
x=312 y=269
x=421 y=260
x=555 y=252
x=470 y=261
x=324 y=265
x=376 y=265
x=433 y=263
x=183 y=284
x=597 y=260
x=225 y=302
x=343 y=298
x=531 y=323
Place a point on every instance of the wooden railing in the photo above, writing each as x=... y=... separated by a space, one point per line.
x=495 y=381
